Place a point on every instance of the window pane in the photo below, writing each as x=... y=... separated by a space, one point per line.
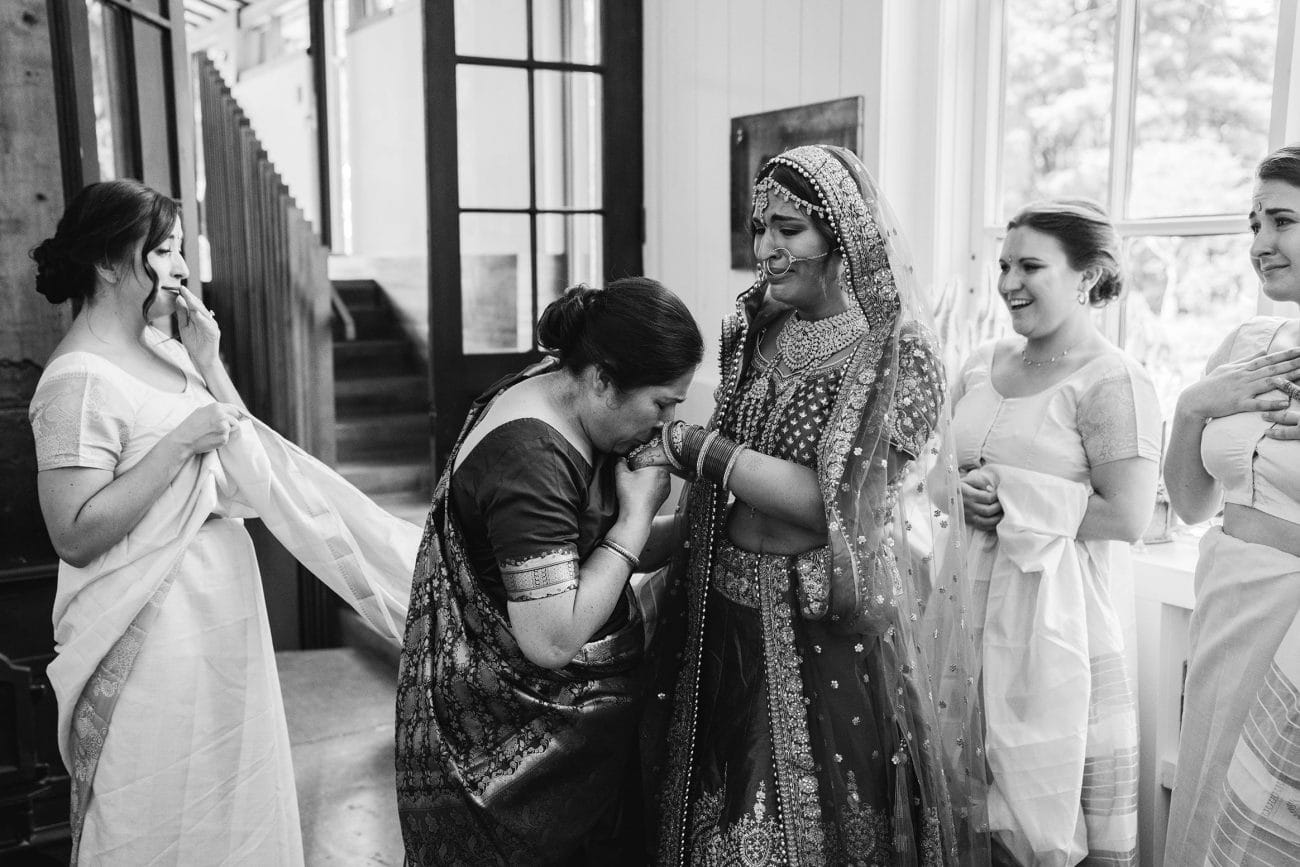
x=114 y=141
x=566 y=30
x=1204 y=94
x=496 y=283
x=492 y=28
x=492 y=104
x=1056 y=115
x=152 y=71
x=1184 y=296
x=568 y=139
x=569 y=251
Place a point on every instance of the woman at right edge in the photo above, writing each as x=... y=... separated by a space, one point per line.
x=805 y=721
x=1236 y=793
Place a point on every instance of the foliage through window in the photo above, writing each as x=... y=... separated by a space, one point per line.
x=1159 y=110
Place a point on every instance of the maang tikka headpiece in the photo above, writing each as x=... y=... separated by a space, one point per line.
x=771 y=185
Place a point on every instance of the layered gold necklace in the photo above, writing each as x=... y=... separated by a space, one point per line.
x=804 y=344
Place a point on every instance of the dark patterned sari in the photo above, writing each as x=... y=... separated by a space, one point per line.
x=805 y=722
x=500 y=761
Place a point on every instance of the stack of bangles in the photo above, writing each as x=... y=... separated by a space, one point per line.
x=700 y=454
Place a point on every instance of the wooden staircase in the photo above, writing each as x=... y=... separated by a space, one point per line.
x=381 y=403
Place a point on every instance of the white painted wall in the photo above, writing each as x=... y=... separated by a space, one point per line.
x=280 y=101
x=385 y=84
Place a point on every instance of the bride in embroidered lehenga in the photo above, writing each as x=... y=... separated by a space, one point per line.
x=805 y=720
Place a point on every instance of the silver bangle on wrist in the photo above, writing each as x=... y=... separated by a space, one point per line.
x=617 y=549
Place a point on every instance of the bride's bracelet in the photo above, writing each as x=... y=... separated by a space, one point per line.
x=701 y=453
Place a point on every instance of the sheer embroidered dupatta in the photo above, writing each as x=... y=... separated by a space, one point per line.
x=499 y=760
x=889 y=546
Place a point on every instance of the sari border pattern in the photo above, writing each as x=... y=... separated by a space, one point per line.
x=93 y=713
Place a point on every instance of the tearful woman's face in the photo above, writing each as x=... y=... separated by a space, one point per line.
x=1275 y=251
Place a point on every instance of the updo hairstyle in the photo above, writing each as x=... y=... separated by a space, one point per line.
x=101 y=225
x=635 y=331
x=1086 y=233
x=1282 y=164
x=803 y=188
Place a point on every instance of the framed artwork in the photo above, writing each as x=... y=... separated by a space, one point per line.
x=756 y=138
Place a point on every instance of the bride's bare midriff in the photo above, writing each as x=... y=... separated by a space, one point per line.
x=751 y=530
x=1252 y=525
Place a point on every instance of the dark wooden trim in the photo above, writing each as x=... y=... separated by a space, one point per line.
x=320 y=52
x=443 y=190
x=74 y=97
x=151 y=17
x=623 y=144
x=519 y=63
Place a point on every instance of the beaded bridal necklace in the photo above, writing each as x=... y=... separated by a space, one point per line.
x=803 y=344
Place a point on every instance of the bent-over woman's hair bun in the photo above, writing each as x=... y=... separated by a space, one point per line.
x=1088 y=236
x=101 y=225
x=564 y=320
x=635 y=331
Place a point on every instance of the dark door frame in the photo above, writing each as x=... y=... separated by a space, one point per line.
x=74 y=100
x=456 y=379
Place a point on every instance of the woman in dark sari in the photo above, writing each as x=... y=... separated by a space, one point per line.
x=519 y=691
x=808 y=721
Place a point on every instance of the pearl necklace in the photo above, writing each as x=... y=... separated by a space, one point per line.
x=803 y=343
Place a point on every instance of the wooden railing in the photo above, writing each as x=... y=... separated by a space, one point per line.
x=271 y=293
x=270 y=288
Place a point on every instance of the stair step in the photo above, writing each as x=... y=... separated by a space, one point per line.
x=371 y=323
x=389 y=477
x=412 y=507
x=368 y=358
x=394 y=437
x=359 y=293
x=362 y=395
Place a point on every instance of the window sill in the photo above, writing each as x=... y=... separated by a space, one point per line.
x=1163 y=572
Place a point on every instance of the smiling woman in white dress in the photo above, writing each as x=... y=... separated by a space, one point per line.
x=1057 y=439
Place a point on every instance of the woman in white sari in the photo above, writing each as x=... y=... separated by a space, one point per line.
x=1237 y=790
x=170 y=716
x=1057 y=436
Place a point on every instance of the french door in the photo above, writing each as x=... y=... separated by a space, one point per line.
x=534 y=139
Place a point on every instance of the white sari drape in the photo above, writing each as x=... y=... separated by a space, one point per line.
x=104 y=613
x=1061 y=723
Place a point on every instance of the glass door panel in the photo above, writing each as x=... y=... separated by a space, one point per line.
x=569 y=165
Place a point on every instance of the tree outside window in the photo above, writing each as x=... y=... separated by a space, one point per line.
x=1159 y=110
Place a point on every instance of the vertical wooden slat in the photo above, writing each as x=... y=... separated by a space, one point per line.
x=270 y=290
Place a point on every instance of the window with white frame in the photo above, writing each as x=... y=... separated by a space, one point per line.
x=1159 y=110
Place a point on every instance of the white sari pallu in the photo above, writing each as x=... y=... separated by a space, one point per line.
x=201 y=774
x=1061 y=722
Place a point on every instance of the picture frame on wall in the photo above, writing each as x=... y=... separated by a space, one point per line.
x=756 y=138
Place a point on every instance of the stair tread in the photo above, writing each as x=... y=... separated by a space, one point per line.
x=366 y=384
x=384 y=419
x=373 y=343
x=343 y=467
x=412 y=506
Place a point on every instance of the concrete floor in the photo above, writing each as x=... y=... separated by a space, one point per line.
x=339 y=704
